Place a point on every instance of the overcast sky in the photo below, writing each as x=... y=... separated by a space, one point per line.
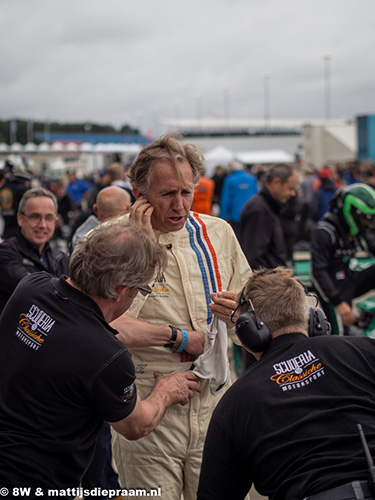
x=137 y=62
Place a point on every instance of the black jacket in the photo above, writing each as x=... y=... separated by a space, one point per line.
x=10 y=196
x=331 y=252
x=18 y=258
x=261 y=233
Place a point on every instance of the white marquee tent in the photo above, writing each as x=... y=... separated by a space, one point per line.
x=217 y=156
x=223 y=156
x=269 y=157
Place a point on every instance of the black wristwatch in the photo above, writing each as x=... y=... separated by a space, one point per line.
x=173 y=340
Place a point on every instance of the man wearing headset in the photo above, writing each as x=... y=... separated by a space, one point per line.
x=290 y=424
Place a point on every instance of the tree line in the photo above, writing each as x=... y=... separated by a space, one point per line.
x=23 y=131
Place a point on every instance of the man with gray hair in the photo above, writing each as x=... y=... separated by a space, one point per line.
x=63 y=371
x=111 y=202
x=29 y=250
x=261 y=234
x=205 y=269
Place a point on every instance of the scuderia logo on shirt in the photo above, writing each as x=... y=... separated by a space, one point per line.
x=297 y=372
x=34 y=327
x=128 y=392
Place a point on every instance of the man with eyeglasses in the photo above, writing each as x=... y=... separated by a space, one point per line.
x=29 y=250
x=63 y=371
x=111 y=202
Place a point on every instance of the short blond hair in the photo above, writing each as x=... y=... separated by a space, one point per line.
x=278 y=298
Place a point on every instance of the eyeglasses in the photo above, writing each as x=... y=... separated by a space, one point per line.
x=241 y=302
x=37 y=218
x=145 y=290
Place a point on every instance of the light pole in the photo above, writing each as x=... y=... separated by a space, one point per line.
x=327 y=87
x=155 y=110
x=199 y=107
x=226 y=103
x=87 y=127
x=47 y=130
x=139 y=115
x=266 y=100
x=177 y=111
x=30 y=131
x=13 y=126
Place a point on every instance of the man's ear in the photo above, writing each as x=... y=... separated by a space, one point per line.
x=274 y=185
x=120 y=289
x=136 y=192
x=95 y=209
x=124 y=289
x=19 y=219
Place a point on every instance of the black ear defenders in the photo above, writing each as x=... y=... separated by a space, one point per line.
x=255 y=335
x=252 y=331
x=318 y=323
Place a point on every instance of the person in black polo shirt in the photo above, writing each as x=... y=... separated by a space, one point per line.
x=289 y=425
x=63 y=371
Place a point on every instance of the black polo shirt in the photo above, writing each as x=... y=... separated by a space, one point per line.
x=62 y=373
x=289 y=424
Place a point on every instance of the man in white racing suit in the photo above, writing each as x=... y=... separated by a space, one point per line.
x=205 y=270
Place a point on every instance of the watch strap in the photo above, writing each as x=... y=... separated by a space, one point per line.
x=170 y=345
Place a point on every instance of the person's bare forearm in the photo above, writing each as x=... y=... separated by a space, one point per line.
x=175 y=389
x=136 y=333
x=148 y=414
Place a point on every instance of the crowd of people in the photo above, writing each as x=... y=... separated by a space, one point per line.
x=75 y=196
x=224 y=194
x=117 y=300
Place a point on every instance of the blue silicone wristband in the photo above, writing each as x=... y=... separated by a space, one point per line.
x=184 y=340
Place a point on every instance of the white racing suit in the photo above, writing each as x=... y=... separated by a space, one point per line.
x=203 y=257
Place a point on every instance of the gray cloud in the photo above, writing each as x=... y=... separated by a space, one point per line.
x=121 y=61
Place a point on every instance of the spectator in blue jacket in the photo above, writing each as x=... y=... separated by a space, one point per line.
x=239 y=187
x=77 y=189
